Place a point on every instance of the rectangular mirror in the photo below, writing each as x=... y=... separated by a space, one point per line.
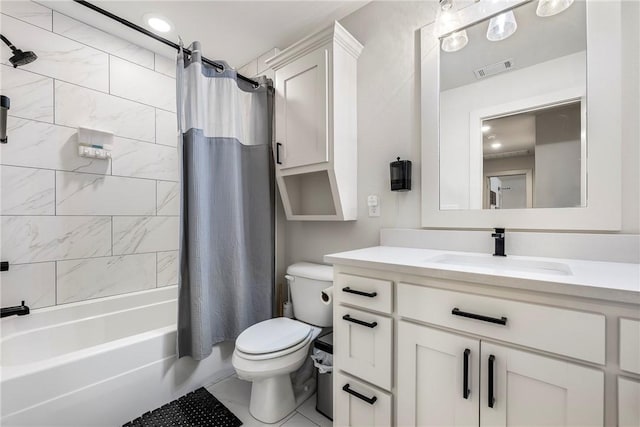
x=513 y=112
x=523 y=132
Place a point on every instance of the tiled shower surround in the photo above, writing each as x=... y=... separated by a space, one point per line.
x=75 y=228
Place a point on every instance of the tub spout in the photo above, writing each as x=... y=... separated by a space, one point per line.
x=18 y=310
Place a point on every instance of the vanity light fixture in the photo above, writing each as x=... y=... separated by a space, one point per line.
x=485 y=128
x=157 y=22
x=552 y=7
x=502 y=26
x=496 y=145
x=455 y=41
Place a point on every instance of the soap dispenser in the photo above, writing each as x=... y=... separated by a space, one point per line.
x=400 y=175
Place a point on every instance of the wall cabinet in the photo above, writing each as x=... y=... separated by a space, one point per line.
x=315 y=145
x=436 y=352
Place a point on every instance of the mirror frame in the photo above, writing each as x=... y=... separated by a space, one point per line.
x=604 y=133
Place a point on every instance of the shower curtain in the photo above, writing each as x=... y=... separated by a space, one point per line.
x=226 y=256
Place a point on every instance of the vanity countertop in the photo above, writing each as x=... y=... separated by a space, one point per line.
x=613 y=281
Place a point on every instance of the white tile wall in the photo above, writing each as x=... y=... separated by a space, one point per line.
x=89 y=194
x=167 y=268
x=77 y=279
x=58 y=57
x=168 y=198
x=91 y=36
x=27 y=11
x=75 y=228
x=139 y=234
x=35 y=284
x=140 y=84
x=31 y=94
x=80 y=107
x=27 y=191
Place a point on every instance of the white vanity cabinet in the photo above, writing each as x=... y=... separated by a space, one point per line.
x=315 y=144
x=441 y=348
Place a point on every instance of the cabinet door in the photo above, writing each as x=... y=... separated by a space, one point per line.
x=628 y=402
x=524 y=389
x=363 y=345
x=359 y=404
x=438 y=377
x=302 y=111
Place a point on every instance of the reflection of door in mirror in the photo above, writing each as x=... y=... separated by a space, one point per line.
x=547 y=143
x=508 y=190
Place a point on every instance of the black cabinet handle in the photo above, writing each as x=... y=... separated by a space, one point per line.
x=491 y=398
x=359 y=322
x=278 y=145
x=370 y=400
x=364 y=294
x=465 y=374
x=4 y=266
x=457 y=312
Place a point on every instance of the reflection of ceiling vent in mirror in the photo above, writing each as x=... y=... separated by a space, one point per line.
x=493 y=69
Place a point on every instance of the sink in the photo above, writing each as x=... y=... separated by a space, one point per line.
x=503 y=263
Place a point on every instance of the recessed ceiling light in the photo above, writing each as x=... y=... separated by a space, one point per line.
x=486 y=128
x=496 y=145
x=158 y=23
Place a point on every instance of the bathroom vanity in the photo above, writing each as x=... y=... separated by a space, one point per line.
x=428 y=337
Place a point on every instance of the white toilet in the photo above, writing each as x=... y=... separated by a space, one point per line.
x=268 y=352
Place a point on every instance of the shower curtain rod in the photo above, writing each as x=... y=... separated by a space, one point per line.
x=156 y=37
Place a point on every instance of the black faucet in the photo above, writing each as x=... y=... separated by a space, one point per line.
x=499 y=235
x=18 y=310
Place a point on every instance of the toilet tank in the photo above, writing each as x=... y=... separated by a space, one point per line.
x=307 y=282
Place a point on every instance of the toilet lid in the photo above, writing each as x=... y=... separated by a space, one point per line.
x=272 y=335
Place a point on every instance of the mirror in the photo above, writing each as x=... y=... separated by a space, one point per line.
x=513 y=113
x=560 y=168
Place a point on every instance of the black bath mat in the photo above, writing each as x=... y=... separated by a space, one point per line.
x=196 y=409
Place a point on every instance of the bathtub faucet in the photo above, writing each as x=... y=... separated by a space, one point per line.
x=18 y=310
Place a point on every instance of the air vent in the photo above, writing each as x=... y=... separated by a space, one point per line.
x=493 y=69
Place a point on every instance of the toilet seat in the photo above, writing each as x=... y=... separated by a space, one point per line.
x=272 y=338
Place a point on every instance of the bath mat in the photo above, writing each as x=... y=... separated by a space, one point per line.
x=198 y=408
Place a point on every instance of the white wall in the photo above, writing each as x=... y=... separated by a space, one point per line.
x=388 y=127
x=75 y=228
x=456 y=106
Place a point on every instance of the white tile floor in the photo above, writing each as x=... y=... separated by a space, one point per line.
x=234 y=393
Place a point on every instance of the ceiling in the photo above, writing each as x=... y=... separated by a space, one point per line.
x=233 y=31
x=536 y=40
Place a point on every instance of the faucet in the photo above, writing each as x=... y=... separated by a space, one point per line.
x=18 y=310
x=499 y=235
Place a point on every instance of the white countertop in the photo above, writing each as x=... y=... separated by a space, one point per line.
x=611 y=281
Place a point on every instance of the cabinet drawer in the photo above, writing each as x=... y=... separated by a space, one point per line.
x=566 y=332
x=363 y=345
x=372 y=294
x=630 y=345
x=628 y=400
x=359 y=404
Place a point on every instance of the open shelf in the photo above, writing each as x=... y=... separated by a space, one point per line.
x=310 y=193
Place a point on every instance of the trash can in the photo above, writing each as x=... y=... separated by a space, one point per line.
x=323 y=360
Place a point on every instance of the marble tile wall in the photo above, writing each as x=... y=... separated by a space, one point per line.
x=74 y=228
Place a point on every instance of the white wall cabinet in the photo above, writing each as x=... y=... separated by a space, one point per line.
x=315 y=145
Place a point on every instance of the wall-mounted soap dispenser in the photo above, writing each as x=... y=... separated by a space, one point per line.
x=400 y=175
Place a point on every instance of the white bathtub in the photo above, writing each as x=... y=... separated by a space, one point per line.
x=98 y=363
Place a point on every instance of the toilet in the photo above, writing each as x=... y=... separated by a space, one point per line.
x=268 y=352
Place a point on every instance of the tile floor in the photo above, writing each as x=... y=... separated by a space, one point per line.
x=234 y=393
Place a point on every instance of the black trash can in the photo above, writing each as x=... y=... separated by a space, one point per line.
x=323 y=361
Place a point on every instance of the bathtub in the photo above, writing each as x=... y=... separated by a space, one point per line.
x=98 y=363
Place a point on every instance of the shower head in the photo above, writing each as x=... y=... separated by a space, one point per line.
x=19 y=57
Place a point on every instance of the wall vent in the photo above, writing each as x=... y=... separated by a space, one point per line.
x=493 y=69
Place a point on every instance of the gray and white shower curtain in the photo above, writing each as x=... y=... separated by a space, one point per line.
x=226 y=257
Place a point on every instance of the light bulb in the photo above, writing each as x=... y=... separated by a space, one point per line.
x=502 y=26
x=552 y=7
x=455 y=41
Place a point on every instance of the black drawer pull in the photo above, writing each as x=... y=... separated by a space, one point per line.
x=359 y=322
x=501 y=321
x=278 y=145
x=465 y=374
x=369 y=400
x=490 y=397
x=364 y=294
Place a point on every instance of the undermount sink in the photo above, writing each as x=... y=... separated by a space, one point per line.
x=503 y=263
